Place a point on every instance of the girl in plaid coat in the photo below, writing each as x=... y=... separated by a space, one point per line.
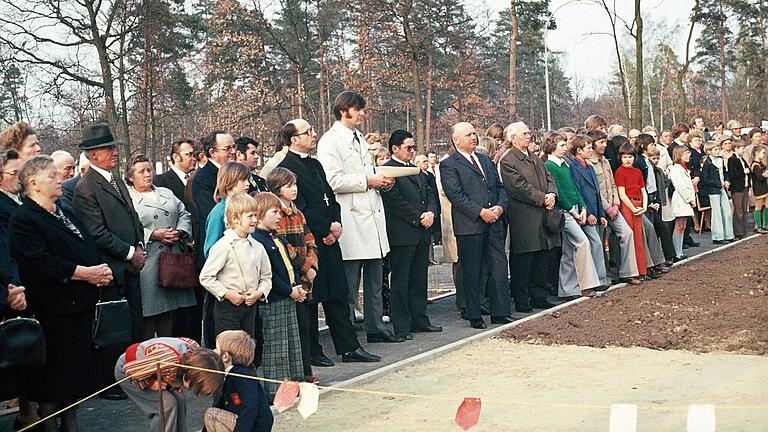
x=302 y=249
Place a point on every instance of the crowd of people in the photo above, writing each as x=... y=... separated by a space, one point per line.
x=522 y=220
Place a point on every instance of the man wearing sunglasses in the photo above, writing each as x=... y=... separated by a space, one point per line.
x=410 y=211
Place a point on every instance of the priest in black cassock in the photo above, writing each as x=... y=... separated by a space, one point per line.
x=323 y=214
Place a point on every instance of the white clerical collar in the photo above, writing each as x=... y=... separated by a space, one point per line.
x=104 y=173
x=301 y=155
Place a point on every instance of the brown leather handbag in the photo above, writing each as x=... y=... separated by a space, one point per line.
x=178 y=269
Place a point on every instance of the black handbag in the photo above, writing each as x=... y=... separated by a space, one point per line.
x=112 y=324
x=22 y=344
x=554 y=221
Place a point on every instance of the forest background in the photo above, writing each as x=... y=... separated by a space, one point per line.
x=158 y=70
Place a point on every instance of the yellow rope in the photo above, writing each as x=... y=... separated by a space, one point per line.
x=388 y=394
x=450 y=398
x=73 y=405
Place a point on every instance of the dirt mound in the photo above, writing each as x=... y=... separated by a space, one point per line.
x=716 y=303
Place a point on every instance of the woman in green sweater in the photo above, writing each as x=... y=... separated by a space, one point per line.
x=578 y=275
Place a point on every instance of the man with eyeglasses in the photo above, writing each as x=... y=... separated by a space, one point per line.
x=410 y=211
x=219 y=147
x=315 y=198
x=186 y=321
x=246 y=152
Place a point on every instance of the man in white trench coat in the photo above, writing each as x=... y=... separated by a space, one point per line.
x=343 y=152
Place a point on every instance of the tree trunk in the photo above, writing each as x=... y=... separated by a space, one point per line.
x=622 y=76
x=415 y=79
x=724 y=106
x=686 y=61
x=511 y=101
x=428 y=104
x=299 y=93
x=638 y=116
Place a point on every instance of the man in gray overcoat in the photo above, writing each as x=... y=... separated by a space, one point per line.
x=531 y=191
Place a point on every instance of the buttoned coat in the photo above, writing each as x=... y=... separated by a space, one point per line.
x=347 y=165
x=109 y=218
x=585 y=180
x=527 y=182
x=470 y=191
x=168 y=212
x=403 y=205
x=317 y=201
x=450 y=249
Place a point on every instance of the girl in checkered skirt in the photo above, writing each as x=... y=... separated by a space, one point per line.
x=281 y=358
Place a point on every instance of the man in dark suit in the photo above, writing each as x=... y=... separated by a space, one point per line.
x=323 y=214
x=478 y=200
x=219 y=147
x=68 y=187
x=247 y=153
x=186 y=321
x=103 y=205
x=410 y=211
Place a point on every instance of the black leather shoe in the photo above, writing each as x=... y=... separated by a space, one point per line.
x=477 y=324
x=359 y=356
x=405 y=336
x=321 y=361
x=464 y=316
x=542 y=304
x=523 y=309
x=383 y=338
x=114 y=395
x=502 y=320
x=429 y=329
x=680 y=258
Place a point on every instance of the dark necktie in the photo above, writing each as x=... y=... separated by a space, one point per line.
x=113 y=182
x=474 y=164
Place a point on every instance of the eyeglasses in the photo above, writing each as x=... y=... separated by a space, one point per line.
x=225 y=149
x=409 y=148
x=10 y=173
x=307 y=132
x=190 y=153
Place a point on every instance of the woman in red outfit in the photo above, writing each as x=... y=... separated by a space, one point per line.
x=634 y=200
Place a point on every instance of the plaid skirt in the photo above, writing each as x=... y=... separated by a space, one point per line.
x=281 y=358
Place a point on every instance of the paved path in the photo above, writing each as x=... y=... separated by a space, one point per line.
x=101 y=415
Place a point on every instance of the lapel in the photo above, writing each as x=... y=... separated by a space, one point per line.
x=161 y=197
x=51 y=219
x=538 y=168
x=301 y=167
x=107 y=186
x=174 y=181
x=462 y=160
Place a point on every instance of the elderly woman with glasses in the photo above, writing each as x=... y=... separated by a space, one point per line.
x=167 y=227
x=62 y=271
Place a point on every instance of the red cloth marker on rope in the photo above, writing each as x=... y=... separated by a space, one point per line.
x=468 y=413
x=286 y=395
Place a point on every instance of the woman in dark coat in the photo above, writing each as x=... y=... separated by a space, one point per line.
x=61 y=271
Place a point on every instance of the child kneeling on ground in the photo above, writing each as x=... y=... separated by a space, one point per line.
x=140 y=362
x=243 y=406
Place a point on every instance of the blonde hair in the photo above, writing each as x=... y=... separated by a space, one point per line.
x=710 y=145
x=229 y=174
x=239 y=344
x=236 y=205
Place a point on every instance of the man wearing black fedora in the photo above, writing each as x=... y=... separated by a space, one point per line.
x=101 y=201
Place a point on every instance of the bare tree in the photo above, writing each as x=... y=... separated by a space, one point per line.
x=613 y=18
x=68 y=38
x=514 y=35
x=686 y=60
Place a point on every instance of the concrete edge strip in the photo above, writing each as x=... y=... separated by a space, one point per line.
x=435 y=353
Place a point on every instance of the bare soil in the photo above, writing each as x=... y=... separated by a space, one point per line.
x=716 y=303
